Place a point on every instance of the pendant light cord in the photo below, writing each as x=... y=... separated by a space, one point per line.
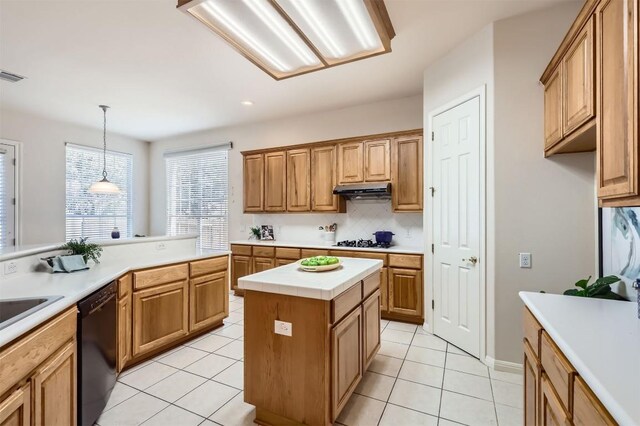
x=104 y=142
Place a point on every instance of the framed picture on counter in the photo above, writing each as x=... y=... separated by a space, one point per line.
x=266 y=232
x=620 y=245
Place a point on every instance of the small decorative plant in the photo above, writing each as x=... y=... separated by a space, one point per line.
x=81 y=247
x=600 y=289
x=255 y=232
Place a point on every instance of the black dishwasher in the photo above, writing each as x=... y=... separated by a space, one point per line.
x=97 y=352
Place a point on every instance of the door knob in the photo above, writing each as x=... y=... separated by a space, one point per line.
x=473 y=260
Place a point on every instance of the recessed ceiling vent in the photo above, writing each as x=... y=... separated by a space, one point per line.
x=13 y=78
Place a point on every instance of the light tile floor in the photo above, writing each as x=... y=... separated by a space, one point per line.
x=416 y=379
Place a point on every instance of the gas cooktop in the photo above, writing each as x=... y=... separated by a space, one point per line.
x=362 y=243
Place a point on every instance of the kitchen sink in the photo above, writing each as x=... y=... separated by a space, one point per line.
x=13 y=310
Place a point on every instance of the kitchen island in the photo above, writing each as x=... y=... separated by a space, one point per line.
x=308 y=339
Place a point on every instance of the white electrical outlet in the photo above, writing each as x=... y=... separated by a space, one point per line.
x=243 y=228
x=161 y=246
x=10 y=268
x=525 y=260
x=284 y=328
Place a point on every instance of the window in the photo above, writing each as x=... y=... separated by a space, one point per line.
x=95 y=215
x=7 y=195
x=197 y=199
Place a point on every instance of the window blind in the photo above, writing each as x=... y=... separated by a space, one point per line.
x=95 y=215
x=197 y=195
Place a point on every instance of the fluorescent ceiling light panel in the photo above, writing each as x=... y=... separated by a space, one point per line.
x=291 y=37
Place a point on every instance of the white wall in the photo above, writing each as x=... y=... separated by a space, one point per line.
x=42 y=194
x=399 y=114
x=537 y=205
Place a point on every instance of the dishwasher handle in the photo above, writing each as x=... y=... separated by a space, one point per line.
x=97 y=300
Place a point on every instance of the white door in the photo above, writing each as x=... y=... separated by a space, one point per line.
x=456 y=225
x=7 y=195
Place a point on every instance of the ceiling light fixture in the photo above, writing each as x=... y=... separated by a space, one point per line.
x=104 y=186
x=286 y=38
x=247 y=103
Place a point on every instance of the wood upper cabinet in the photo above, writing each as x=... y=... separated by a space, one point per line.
x=124 y=331
x=405 y=291
x=275 y=181
x=160 y=315
x=323 y=180
x=407 y=174
x=553 y=109
x=346 y=358
x=371 y=325
x=54 y=389
x=350 y=162
x=531 y=386
x=240 y=267
x=377 y=160
x=208 y=300
x=617 y=98
x=578 y=75
x=253 y=183
x=298 y=180
x=15 y=409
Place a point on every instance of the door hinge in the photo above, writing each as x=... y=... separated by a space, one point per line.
x=433 y=191
x=14 y=162
x=432 y=248
x=13 y=201
x=433 y=304
x=433 y=136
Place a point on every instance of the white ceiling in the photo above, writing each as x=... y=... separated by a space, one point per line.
x=165 y=74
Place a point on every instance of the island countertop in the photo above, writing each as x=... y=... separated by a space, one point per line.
x=601 y=339
x=291 y=280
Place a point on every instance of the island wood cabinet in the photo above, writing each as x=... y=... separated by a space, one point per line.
x=313 y=170
x=554 y=393
x=164 y=305
x=331 y=345
x=38 y=375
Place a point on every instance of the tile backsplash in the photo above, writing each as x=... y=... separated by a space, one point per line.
x=362 y=219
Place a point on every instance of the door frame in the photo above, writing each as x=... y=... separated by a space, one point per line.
x=17 y=222
x=480 y=93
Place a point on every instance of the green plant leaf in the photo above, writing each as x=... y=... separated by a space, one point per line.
x=571 y=292
x=583 y=283
x=609 y=279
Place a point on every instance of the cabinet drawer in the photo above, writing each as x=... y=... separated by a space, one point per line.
x=157 y=276
x=558 y=369
x=587 y=409
x=26 y=354
x=304 y=253
x=208 y=266
x=260 y=251
x=405 y=261
x=345 y=302
x=240 y=249
x=532 y=330
x=361 y=255
x=370 y=284
x=124 y=285
x=287 y=253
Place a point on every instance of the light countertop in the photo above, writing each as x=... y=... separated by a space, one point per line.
x=330 y=246
x=75 y=286
x=601 y=339
x=292 y=281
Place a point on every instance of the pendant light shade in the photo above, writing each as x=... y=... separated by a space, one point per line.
x=104 y=186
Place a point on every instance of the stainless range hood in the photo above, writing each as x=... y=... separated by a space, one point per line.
x=364 y=191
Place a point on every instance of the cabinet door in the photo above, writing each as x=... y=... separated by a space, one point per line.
x=240 y=267
x=350 y=162
x=617 y=91
x=587 y=409
x=208 y=300
x=282 y=262
x=253 y=183
x=262 y=264
x=371 y=324
x=346 y=359
x=405 y=291
x=552 y=412
x=553 y=109
x=578 y=95
x=160 y=316
x=275 y=181
x=15 y=410
x=124 y=331
x=407 y=190
x=531 y=386
x=384 y=289
x=377 y=160
x=54 y=389
x=298 y=180
x=323 y=179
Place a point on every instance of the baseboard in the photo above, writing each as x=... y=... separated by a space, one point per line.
x=506 y=366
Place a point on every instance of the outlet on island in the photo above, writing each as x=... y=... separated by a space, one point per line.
x=284 y=328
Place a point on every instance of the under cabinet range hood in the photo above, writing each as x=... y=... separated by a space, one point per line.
x=364 y=191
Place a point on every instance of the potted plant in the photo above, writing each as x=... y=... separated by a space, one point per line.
x=256 y=232
x=74 y=247
x=600 y=289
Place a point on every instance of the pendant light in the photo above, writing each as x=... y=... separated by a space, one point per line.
x=104 y=186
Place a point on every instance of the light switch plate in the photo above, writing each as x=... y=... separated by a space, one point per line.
x=10 y=268
x=525 y=260
x=284 y=328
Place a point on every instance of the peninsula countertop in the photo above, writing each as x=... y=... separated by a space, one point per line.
x=330 y=246
x=601 y=339
x=293 y=281
x=77 y=285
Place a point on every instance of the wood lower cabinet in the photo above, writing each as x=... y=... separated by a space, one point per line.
x=405 y=292
x=384 y=289
x=53 y=385
x=262 y=264
x=253 y=183
x=208 y=300
x=275 y=181
x=587 y=409
x=323 y=180
x=346 y=358
x=407 y=174
x=298 y=180
x=15 y=409
x=160 y=316
x=350 y=163
x=532 y=370
x=124 y=332
x=371 y=327
x=377 y=160
x=240 y=266
x=552 y=413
